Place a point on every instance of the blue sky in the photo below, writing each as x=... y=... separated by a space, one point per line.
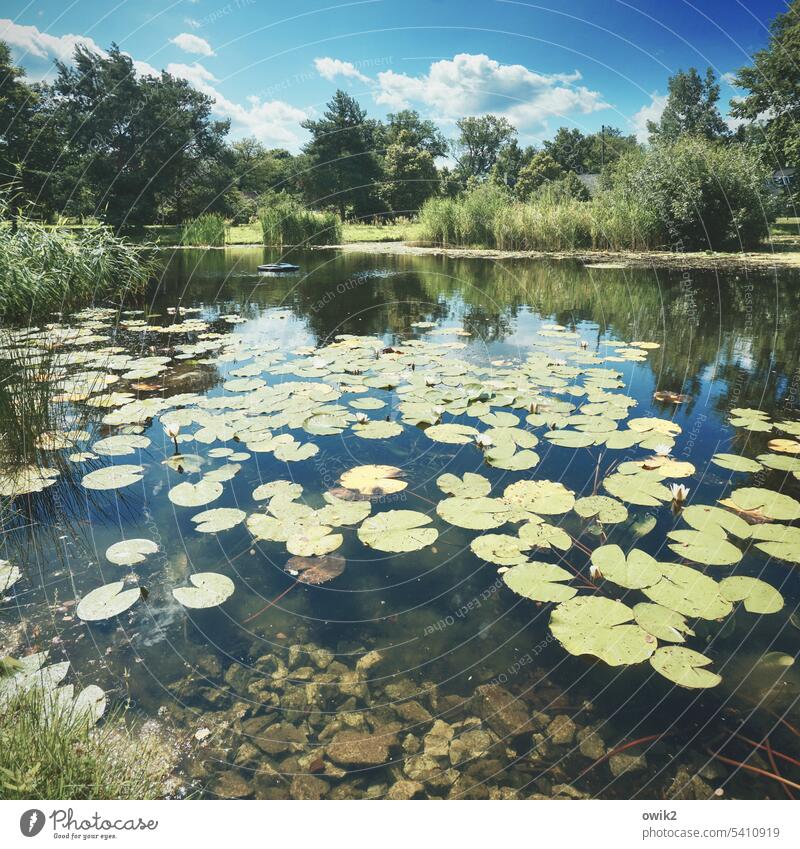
x=269 y=64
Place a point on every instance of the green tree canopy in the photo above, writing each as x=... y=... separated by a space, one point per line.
x=417 y=132
x=691 y=109
x=479 y=143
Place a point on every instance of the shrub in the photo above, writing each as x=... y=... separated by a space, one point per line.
x=206 y=230
x=284 y=222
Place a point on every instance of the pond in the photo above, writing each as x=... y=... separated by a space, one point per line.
x=381 y=633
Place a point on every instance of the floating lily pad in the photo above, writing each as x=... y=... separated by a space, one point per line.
x=285 y=488
x=311 y=540
x=758 y=596
x=736 y=463
x=120 y=445
x=339 y=511
x=453 y=434
x=377 y=430
x=689 y=592
x=661 y=622
x=715 y=520
x=599 y=626
x=502 y=549
x=470 y=486
x=540 y=582
x=537 y=533
x=781 y=541
x=210 y=590
x=130 y=551
x=188 y=494
x=397 y=531
x=374 y=480
x=765 y=503
x=634 y=571
x=479 y=514
x=219 y=519
x=107 y=601
x=316 y=570
x=547 y=497
x=685 y=667
x=113 y=477
x=704 y=547
x=606 y=510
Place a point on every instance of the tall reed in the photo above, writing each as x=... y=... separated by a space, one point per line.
x=208 y=230
x=284 y=223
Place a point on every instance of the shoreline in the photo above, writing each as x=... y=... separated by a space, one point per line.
x=765 y=260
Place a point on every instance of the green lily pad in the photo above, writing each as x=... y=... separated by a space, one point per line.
x=210 y=590
x=113 y=477
x=758 y=596
x=607 y=511
x=599 y=626
x=781 y=541
x=107 y=601
x=478 y=514
x=452 y=434
x=520 y=461
x=547 y=497
x=377 y=430
x=537 y=533
x=644 y=488
x=470 y=486
x=661 y=622
x=286 y=488
x=120 y=445
x=312 y=540
x=704 y=547
x=338 y=512
x=219 y=519
x=636 y=571
x=502 y=549
x=188 y=494
x=685 y=667
x=715 y=521
x=570 y=438
x=540 y=582
x=766 y=502
x=374 y=480
x=736 y=463
x=397 y=531
x=130 y=551
x=295 y=452
x=689 y=592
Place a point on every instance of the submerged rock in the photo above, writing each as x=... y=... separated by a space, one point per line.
x=688 y=785
x=561 y=730
x=308 y=787
x=230 y=785
x=503 y=712
x=405 y=789
x=625 y=762
x=591 y=744
x=353 y=748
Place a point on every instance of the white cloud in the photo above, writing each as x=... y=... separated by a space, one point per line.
x=474 y=84
x=729 y=77
x=651 y=111
x=42 y=45
x=192 y=44
x=273 y=122
x=331 y=68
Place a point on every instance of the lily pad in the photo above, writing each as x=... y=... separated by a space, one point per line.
x=309 y=540
x=689 y=592
x=537 y=533
x=377 y=430
x=478 y=514
x=606 y=510
x=661 y=622
x=685 y=667
x=316 y=570
x=704 y=547
x=113 y=477
x=107 y=601
x=636 y=571
x=736 y=463
x=397 y=531
x=470 y=486
x=210 y=589
x=452 y=434
x=374 y=480
x=502 y=549
x=540 y=582
x=130 y=551
x=758 y=596
x=188 y=494
x=543 y=496
x=781 y=541
x=219 y=519
x=765 y=503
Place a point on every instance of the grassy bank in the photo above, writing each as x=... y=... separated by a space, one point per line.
x=60 y=755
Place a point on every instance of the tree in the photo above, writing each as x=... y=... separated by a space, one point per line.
x=417 y=132
x=606 y=147
x=691 y=109
x=540 y=170
x=18 y=103
x=344 y=171
x=570 y=149
x=479 y=143
x=773 y=83
x=409 y=175
x=510 y=161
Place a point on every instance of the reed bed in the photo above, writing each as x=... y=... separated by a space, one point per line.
x=284 y=223
x=207 y=230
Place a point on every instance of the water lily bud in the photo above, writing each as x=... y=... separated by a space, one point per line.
x=172 y=430
x=679 y=492
x=362 y=418
x=662 y=450
x=594 y=572
x=483 y=441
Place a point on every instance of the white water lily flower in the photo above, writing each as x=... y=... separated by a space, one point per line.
x=318 y=362
x=534 y=407
x=483 y=441
x=594 y=572
x=679 y=492
x=431 y=381
x=362 y=418
x=438 y=412
x=662 y=450
x=172 y=430
x=584 y=344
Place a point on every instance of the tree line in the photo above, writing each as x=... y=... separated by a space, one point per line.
x=101 y=142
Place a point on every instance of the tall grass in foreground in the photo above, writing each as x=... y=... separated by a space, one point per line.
x=44 y=271
x=60 y=755
x=204 y=231
x=284 y=223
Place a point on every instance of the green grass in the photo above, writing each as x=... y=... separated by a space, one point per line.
x=392 y=231
x=58 y=755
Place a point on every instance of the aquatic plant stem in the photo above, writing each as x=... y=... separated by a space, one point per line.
x=271 y=603
x=757 y=770
x=619 y=749
x=768 y=747
x=775 y=769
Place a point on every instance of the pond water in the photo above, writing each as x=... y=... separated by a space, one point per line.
x=278 y=692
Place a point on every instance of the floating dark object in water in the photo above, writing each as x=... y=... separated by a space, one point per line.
x=316 y=570
x=279 y=267
x=671 y=397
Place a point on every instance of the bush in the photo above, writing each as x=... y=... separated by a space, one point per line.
x=44 y=270
x=691 y=195
x=57 y=754
x=284 y=222
x=204 y=231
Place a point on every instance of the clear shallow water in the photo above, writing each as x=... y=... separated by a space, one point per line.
x=443 y=621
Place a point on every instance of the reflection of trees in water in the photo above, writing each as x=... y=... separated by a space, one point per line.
x=736 y=325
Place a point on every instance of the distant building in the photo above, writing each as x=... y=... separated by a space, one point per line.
x=783 y=177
